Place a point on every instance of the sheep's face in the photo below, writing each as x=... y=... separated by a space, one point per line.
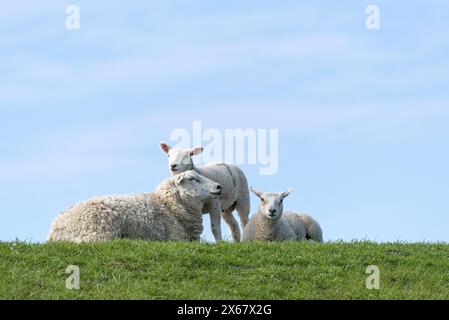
x=193 y=186
x=179 y=160
x=271 y=204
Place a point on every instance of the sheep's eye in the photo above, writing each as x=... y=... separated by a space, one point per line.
x=193 y=179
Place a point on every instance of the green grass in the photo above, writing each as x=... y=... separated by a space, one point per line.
x=144 y=270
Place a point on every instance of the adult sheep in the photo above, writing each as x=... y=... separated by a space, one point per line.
x=235 y=188
x=271 y=223
x=171 y=213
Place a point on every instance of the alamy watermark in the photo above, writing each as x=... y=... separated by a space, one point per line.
x=238 y=146
x=373 y=281
x=372 y=22
x=72 y=21
x=73 y=278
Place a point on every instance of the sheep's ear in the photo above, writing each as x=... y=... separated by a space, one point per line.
x=287 y=193
x=196 y=151
x=256 y=192
x=165 y=147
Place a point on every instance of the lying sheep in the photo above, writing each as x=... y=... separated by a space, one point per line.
x=171 y=213
x=270 y=223
x=230 y=177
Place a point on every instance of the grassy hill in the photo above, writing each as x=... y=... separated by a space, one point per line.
x=143 y=270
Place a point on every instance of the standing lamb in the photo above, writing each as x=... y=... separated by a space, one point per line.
x=171 y=213
x=235 y=188
x=270 y=223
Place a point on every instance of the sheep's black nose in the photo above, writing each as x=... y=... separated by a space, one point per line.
x=173 y=166
x=219 y=187
x=272 y=211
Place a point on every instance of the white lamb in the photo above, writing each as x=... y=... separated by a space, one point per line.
x=171 y=213
x=271 y=223
x=235 y=189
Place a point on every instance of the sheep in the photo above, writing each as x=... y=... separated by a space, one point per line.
x=271 y=223
x=171 y=213
x=230 y=177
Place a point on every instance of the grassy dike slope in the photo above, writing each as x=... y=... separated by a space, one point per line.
x=145 y=270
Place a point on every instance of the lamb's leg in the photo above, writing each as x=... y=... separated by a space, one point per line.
x=214 y=210
x=242 y=204
x=243 y=210
x=233 y=224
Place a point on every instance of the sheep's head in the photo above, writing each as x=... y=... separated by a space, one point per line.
x=193 y=187
x=271 y=204
x=180 y=160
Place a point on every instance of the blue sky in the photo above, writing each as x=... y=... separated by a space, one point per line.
x=363 y=116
